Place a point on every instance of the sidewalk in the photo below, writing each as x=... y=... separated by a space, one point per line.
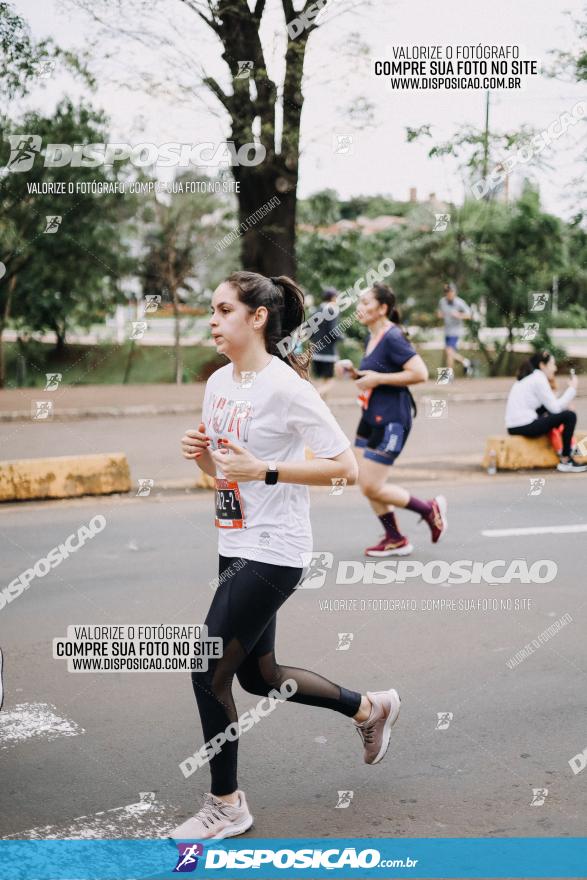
x=87 y=420
x=91 y=401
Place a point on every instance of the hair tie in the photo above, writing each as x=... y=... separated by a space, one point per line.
x=274 y=280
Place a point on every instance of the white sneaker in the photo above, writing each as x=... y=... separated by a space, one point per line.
x=216 y=820
x=375 y=731
x=571 y=467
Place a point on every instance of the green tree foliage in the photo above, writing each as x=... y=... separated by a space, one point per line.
x=68 y=278
x=181 y=231
x=25 y=61
x=373 y=206
x=320 y=209
x=496 y=253
x=573 y=276
x=258 y=107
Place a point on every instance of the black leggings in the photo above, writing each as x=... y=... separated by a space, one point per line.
x=243 y=614
x=542 y=425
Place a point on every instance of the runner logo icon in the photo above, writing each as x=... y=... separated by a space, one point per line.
x=188 y=857
x=444 y=719
x=316 y=564
x=344 y=641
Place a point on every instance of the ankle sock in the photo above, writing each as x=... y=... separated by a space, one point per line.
x=390 y=525
x=424 y=508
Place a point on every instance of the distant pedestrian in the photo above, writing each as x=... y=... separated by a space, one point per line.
x=454 y=311
x=323 y=343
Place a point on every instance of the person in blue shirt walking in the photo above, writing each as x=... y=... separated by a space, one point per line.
x=389 y=366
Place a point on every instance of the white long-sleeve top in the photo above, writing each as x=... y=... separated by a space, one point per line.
x=528 y=394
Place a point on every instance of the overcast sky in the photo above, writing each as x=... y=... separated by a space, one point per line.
x=381 y=161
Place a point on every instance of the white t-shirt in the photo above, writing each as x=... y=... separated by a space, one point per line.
x=530 y=393
x=274 y=418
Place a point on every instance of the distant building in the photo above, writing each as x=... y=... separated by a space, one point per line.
x=372 y=225
x=366 y=225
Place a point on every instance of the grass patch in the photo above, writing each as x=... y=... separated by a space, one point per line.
x=107 y=364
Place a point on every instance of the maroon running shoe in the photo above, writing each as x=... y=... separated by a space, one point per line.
x=390 y=547
x=436 y=519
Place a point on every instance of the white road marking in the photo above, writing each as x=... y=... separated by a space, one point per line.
x=29 y=721
x=147 y=818
x=535 y=530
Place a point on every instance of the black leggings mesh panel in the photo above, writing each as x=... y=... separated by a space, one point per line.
x=243 y=614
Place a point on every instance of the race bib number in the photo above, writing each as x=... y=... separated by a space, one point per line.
x=229 y=505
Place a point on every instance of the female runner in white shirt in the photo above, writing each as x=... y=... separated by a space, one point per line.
x=259 y=413
x=533 y=410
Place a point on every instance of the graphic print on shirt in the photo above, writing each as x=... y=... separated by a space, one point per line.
x=233 y=417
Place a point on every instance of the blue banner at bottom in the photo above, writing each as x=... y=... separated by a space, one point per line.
x=385 y=858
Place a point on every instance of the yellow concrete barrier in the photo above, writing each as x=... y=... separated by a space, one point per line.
x=518 y=453
x=64 y=476
x=205 y=481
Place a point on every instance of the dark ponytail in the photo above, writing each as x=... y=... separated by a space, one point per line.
x=533 y=363
x=386 y=297
x=284 y=302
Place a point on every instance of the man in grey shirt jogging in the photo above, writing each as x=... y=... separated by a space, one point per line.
x=454 y=311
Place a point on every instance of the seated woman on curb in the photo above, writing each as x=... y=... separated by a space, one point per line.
x=531 y=392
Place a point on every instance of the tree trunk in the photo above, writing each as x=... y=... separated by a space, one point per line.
x=268 y=246
x=128 y=365
x=176 y=340
x=173 y=286
x=60 y=341
x=2 y=367
x=3 y=323
x=510 y=348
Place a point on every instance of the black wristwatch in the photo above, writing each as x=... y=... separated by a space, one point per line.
x=271 y=474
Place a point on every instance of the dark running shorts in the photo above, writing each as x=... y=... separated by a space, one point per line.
x=382 y=443
x=323 y=369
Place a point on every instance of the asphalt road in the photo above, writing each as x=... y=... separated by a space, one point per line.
x=98 y=754
x=152 y=443
x=453 y=444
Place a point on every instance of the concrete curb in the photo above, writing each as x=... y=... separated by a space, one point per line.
x=66 y=476
x=97 y=412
